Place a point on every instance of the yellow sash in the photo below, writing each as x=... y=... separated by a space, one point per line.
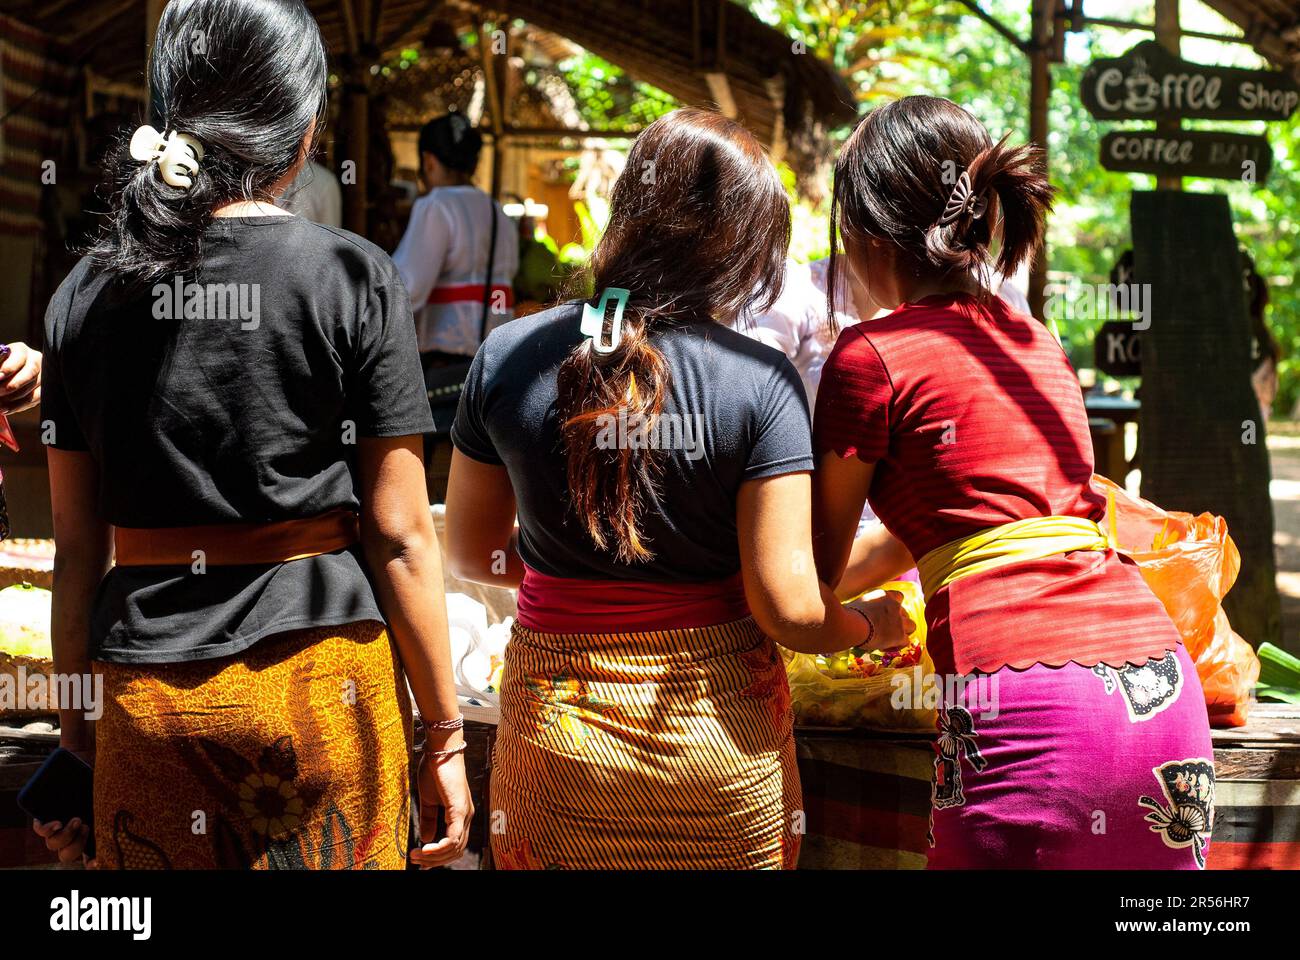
x=1032 y=539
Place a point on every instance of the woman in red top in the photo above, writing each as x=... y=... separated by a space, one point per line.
x=1073 y=731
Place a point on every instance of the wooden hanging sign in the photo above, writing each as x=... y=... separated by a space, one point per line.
x=1150 y=83
x=1117 y=349
x=1189 y=153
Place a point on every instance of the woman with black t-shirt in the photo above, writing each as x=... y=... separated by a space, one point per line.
x=660 y=464
x=235 y=409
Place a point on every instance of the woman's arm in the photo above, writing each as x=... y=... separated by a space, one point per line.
x=839 y=494
x=875 y=558
x=83 y=549
x=790 y=604
x=482 y=540
x=851 y=566
x=82 y=552
x=401 y=549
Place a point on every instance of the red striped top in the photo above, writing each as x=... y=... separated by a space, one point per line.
x=974 y=418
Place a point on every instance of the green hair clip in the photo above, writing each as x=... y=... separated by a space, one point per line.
x=593 y=319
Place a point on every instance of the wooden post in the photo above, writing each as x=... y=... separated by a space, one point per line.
x=1203 y=445
x=356 y=112
x=153 y=14
x=1040 y=86
x=356 y=16
x=152 y=17
x=1169 y=36
x=495 y=95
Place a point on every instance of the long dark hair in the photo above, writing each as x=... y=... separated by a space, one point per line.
x=698 y=231
x=895 y=180
x=247 y=79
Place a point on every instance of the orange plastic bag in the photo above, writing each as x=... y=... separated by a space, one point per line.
x=1190 y=563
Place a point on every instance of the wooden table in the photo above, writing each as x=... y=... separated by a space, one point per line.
x=867 y=796
x=1106 y=419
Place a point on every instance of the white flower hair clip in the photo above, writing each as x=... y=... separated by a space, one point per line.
x=178 y=154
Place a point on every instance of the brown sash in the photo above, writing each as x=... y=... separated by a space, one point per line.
x=232 y=544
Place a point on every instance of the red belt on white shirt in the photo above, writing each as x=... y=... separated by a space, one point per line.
x=470 y=293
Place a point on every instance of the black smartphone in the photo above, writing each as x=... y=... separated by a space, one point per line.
x=63 y=788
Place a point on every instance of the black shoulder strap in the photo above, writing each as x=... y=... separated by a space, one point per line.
x=487 y=281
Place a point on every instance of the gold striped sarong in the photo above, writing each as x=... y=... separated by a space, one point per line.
x=291 y=755
x=667 y=749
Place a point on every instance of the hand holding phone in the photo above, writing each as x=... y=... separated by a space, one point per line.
x=60 y=798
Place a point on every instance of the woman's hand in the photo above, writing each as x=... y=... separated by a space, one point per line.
x=67 y=840
x=20 y=377
x=444 y=791
x=885 y=611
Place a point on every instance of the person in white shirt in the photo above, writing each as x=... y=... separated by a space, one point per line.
x=444 y=260
x=443 y=256
x=314 y=195
x=796 y=323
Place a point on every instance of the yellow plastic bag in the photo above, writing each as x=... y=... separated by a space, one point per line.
x=891 y=699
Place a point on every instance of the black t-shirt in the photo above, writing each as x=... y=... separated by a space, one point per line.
x=736 y=412
x=236 y=399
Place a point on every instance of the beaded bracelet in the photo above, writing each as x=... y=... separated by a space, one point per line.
x=441 y=755
x=454 y=724
x=871 y=627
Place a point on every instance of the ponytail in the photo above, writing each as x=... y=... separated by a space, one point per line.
x=1017 y=177
x=153 y=229
x=922 y=173
x=698 y=230
x=247 y=80
x=600 y=397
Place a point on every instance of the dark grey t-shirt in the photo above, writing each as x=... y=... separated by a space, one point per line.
x=248 y=412
x=736 y=412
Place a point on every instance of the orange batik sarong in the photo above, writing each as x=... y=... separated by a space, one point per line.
x=291 y=755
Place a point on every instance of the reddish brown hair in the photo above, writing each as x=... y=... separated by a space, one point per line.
x=698 y=231
x=895 y=178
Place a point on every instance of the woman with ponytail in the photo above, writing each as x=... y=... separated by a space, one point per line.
x=234 y=409
x=1073 y=731
x=659 y=463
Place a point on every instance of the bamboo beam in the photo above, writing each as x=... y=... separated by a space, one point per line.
x=720 y=90
x=96 y=23
x=558 y=133
x=974 y=7
x=350 y=34
x=152 y=17
x=356 y=121
x=496 y=104
x=419 y=17
x=1151 y=28
x=50 y=9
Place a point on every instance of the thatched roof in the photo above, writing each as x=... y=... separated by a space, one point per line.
x=1272 y=27
x=702 y=52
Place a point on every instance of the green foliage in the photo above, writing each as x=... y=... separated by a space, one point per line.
x=610 y=100
x=892 y=48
